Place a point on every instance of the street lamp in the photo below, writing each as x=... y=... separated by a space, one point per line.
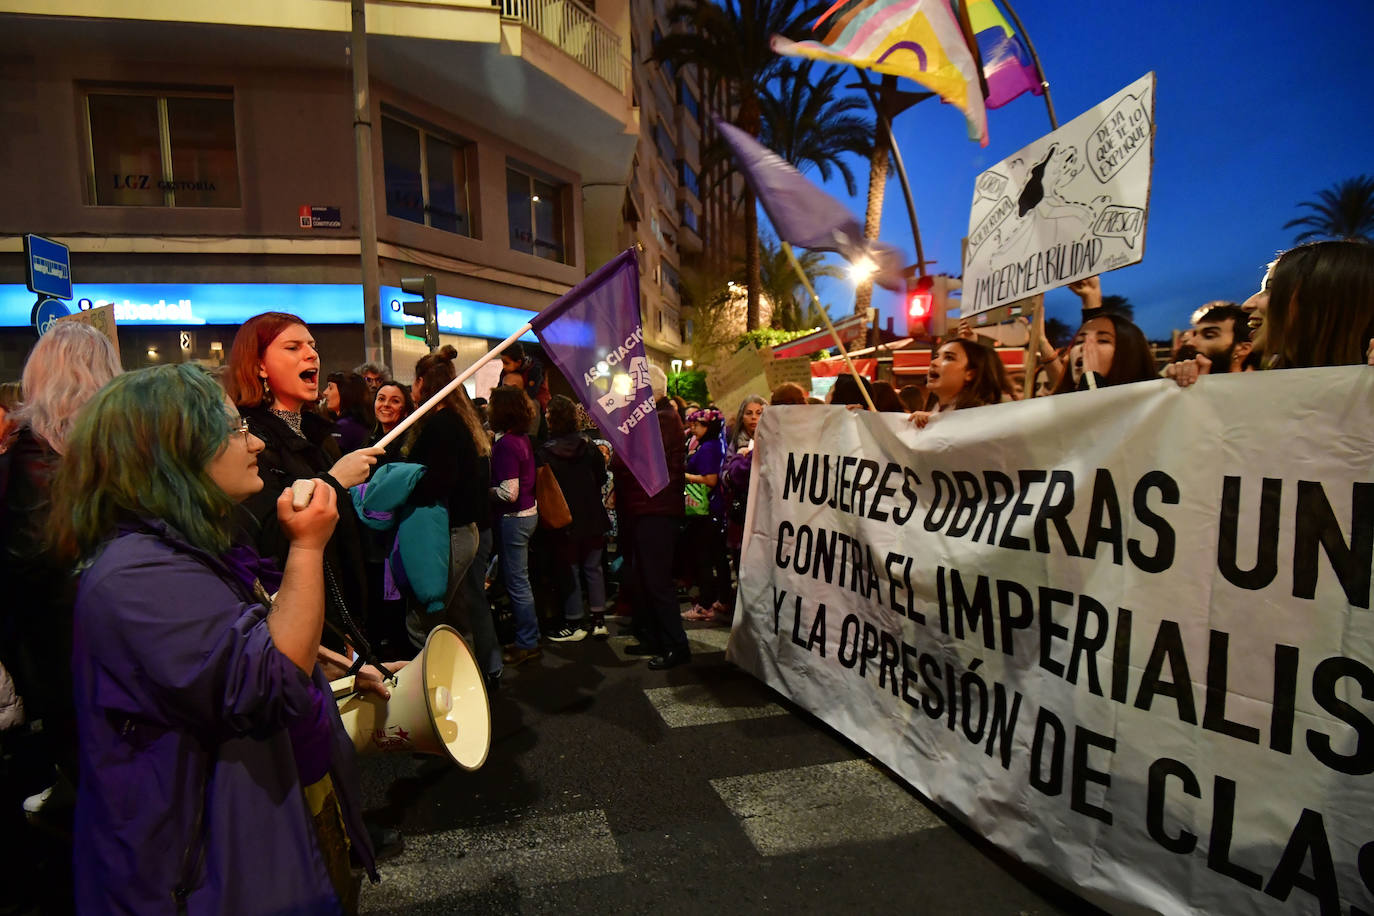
x=861 y=269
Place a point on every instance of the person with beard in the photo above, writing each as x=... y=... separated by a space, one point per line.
x=1221 y=334
x=1315 y=307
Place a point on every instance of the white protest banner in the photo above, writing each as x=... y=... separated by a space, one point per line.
x=1070 y=205
x=1125 y=634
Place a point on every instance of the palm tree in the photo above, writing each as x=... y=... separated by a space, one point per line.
x=807 y=124
x=728 y=42
x=792 y=307
x=1343 y=211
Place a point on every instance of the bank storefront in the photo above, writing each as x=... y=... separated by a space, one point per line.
x=176 y=322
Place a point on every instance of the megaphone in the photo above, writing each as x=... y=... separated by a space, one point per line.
x=438 y=706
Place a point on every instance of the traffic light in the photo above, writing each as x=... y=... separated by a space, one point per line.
x=940 y=305
x=920 y=302
x=426 y=309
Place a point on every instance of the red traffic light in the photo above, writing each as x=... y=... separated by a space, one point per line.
x=920 y=297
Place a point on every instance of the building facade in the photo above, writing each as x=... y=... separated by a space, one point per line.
x=682 y=224
x=202 y=169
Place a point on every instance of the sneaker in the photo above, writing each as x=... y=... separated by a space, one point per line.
x=569 y=634
x=599 y=630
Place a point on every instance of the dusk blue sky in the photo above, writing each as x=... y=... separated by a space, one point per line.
x=1259 y=105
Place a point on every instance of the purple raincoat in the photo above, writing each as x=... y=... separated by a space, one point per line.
x=188 y=778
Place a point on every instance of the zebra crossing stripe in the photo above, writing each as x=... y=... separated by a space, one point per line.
x=832 y=804
x=709 y=704
x=527 y=852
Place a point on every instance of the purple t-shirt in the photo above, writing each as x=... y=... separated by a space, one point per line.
x=706 y=458
x=512 y=457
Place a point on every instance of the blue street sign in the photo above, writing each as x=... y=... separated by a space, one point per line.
x=46 y=313
x=47 y=267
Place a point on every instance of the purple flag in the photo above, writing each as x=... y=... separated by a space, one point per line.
x=593 y=334
x=802 y=214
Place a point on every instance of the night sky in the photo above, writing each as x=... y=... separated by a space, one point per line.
x=1259 y=105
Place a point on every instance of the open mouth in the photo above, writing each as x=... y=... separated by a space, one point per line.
x=311 y=376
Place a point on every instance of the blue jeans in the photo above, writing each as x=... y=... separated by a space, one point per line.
x=588 y=564
x=516 y=532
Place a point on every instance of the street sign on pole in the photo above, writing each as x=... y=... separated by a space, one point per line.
x=46 y=312
x=47 y=267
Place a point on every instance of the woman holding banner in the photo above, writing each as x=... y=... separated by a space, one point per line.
x=963 y=373
x=735 y=471
x=1315 y=307
x=210 y=744
x=1113 y=352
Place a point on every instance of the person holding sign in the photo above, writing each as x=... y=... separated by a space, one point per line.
x=964 y=373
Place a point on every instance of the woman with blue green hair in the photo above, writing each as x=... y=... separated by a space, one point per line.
x=215 y=775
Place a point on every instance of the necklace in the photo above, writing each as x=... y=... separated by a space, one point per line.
x=291 y=418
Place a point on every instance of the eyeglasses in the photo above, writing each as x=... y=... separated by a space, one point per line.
x=240 y=428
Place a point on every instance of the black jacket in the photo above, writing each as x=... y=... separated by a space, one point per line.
x=630 y=498
x=455 y=475
x=287 y=458
x=580 y=471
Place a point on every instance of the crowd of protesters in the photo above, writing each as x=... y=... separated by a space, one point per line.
x=175 y=616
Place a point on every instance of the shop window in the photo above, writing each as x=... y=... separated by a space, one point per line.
x=151 y=149
x=535 y=208
x=427 y=178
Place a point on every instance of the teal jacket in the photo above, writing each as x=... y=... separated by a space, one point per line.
x=419 y=560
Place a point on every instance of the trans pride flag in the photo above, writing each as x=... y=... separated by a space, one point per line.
x=918 y=39
x=1007 y=65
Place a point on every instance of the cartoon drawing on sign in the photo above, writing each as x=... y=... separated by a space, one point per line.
x=1044 y=199
x=1072 y=204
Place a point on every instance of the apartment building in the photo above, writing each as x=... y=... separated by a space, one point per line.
x=198 y=158
x=677 y=221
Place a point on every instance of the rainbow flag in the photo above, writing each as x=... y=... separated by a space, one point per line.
x=1007 y=65
x=918 y=39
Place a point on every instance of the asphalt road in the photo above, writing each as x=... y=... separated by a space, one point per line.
x=613 y=788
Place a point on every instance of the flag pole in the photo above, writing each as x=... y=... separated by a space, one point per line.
x=1035 y=59
x=444 y=392
x=826 y=317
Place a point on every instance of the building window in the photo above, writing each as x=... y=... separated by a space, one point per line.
x=162 y=149
x=666 y=148
x=427 y=178
x=687 y=100
x=669 y=279
x=689 y=218
x=688 y=178
x=535 y=208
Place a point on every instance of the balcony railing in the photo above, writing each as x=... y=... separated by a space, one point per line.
x=576 y=31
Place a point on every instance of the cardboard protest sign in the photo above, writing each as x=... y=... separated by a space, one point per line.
x=1117 y=632
x=102 y=319
x=781 y=370
x=1070 y=205
x=737 y=377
